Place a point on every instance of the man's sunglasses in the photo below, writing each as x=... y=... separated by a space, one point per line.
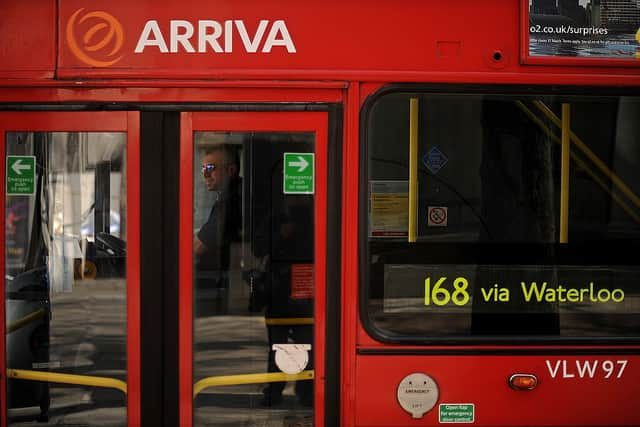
x=207 y=169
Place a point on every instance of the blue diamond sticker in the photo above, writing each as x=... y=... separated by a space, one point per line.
x=434 y=160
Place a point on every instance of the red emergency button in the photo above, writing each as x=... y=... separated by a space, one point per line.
x=523 y=381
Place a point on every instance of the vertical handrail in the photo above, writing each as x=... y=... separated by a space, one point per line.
x=580 y=163
x=564 y=173
x=582 y=147
x=413 y=170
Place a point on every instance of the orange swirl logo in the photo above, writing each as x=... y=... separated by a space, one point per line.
x=102 y=40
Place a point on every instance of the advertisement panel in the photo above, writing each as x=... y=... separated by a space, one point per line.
x=591 y=30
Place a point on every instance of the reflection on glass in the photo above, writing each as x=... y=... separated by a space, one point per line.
x=253 y=282
x=488 y=217
x=65 y=262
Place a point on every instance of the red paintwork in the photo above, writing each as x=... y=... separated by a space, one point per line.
x=333 y=40
x=96 y=122
x=3 y=316
x=27 y=39
x=185 y=268
x=345 y=52
x=482 y=380
x=134 y=361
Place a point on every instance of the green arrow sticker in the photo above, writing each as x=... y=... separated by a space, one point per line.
x=299 y=173
x=21 y=175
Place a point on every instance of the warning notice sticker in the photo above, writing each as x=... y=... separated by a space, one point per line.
x=456 y=413
x=437 y=216
x=301 y=281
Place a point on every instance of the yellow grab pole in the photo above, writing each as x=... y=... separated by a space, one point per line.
x=413 y=170
x=624 y=188
x=581 y=164
x=250 y=379
x=564 y=172
x=26 y=320
x=288 y=321
x=53 y=377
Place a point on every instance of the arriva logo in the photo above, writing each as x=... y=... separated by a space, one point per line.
x=213 y=36
x=102 y=37
x=96 y=38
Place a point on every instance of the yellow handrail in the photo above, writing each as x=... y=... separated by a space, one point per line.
x=581 y=164
x=590 y=155
x=250 y=379
x=54 y=377
x=564 y=173
x=26 y=320
x=413 y=170
x=288 y=321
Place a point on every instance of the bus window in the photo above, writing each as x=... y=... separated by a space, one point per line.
x=489 y=258
x=66 y=285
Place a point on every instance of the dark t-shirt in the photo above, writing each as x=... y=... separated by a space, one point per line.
x=285 y=249
x=223 y=227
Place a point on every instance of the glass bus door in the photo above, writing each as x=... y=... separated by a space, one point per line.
x=252 y=268
x=70 y=342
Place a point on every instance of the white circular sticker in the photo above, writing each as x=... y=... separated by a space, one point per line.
x=292 y=358
x=417 y=394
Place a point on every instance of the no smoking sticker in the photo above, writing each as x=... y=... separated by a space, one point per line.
x=437 y=216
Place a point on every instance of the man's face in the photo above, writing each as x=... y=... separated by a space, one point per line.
x=214 y=171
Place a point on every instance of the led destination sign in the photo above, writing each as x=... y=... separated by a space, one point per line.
x=452 y=288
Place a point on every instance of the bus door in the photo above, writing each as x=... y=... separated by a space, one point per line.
x=252 y=267
x=70 y=341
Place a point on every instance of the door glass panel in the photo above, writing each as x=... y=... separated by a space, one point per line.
x=253 y=281
x=65 y=253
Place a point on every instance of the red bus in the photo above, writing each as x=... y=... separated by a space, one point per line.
x=401 y=213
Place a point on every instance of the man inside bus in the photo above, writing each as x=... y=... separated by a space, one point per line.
x=286 y=239
x=212 y=245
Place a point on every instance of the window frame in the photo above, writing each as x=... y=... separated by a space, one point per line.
x=364 y=266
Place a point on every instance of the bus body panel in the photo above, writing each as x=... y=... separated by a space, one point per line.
x=279 y=40
x=566 y=382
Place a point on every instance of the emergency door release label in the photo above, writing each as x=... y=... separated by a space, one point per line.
x=21 y=175
x=456 y=413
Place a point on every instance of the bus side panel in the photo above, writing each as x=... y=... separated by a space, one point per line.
x=27 y=45
x=576 y=390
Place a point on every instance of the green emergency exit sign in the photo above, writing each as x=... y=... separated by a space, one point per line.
x=299 y=170
x=21 y=175
x=456 y=413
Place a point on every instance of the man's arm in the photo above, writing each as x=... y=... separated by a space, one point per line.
x=199 y=248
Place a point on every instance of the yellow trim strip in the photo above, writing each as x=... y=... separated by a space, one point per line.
x=413 y=170
x=287 y=321
x=250 y=379
x=26 y=320
x=591 y=155
x=564 y=173
x=581 y=164
x=53 y=377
